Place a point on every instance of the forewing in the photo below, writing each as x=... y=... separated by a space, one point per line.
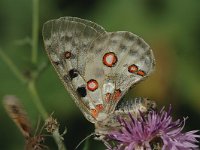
x=116 y=61
x=91 y=24
x=67 y=41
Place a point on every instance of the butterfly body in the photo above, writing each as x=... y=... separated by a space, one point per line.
x=96 y=67
x=134 y=107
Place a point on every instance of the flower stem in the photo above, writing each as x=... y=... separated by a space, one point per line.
x=59 y=141
x=12 y=66
x=35 y=28
x=36 y=99
x=31 y=84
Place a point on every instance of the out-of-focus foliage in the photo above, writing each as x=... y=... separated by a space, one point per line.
x=172 y=28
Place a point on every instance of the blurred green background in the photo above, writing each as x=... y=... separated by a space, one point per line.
x=171 y=28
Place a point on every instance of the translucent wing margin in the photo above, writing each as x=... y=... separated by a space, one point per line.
x=91 y=24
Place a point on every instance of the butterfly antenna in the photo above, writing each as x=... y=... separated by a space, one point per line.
x=84 y=140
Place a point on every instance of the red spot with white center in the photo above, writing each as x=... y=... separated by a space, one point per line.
x=133 y=68
x=141 y=73
x=109 y=59
x=92 y=85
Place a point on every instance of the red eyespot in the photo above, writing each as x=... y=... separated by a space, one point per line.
x=117 y=94
x=99 y=107
x=141 y=73
x=94 y=112
x=108 y=97
x=109 y=59
x=67 y=55
x=92 y=85
x=133 y=68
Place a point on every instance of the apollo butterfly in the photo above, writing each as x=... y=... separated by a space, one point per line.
x=98 y=67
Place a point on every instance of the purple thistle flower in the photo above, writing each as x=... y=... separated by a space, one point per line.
x=155 y=131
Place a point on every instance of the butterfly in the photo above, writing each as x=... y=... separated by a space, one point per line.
x=19 y=116
x=98 y=67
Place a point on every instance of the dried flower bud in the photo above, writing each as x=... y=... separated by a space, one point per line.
x=51 y=124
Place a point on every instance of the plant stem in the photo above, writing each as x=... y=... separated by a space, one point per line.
x=59 y=141
x=31 y=84
x=12 y=66
x=35 y=28
x=36 y=99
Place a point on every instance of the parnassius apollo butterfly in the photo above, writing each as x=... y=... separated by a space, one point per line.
x=98 y=67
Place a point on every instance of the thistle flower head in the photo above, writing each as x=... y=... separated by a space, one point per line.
x=155 y=131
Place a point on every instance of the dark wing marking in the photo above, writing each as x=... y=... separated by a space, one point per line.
x=67 y=41
x=117 y=79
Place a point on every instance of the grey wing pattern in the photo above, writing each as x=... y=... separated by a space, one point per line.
x=121 y=60
x=66 y=42
x=96 y=67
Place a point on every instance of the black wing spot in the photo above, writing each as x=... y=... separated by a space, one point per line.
x=73 y=73
x=57 y=63
x=82 y=91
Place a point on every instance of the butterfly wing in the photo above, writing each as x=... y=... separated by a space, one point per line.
x=96 y=67
x=117 y=61
x=17 y=114
x=67 y=41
